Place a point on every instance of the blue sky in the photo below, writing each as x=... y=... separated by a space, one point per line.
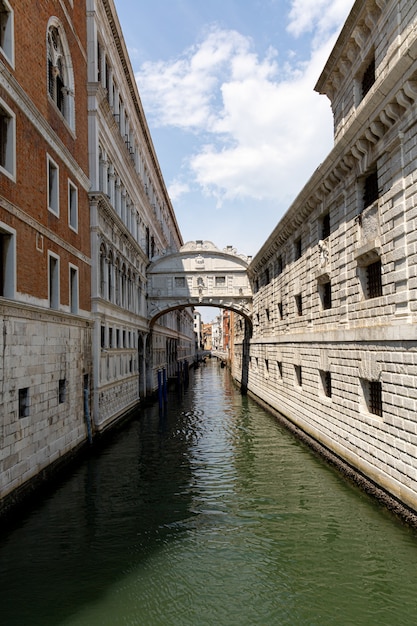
x=228 y=92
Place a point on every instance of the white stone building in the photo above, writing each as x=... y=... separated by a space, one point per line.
x=335 y=307
x=132 y=221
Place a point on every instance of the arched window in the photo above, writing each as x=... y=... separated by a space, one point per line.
x=60 y=71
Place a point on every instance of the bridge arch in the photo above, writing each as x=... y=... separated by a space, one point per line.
x=199 y=274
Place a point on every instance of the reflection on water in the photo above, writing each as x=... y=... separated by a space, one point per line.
x=209 y=514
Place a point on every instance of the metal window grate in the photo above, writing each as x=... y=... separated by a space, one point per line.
x=374 y=279
x=375 y=397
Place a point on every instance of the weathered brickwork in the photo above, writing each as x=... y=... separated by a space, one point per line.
x=334 y=341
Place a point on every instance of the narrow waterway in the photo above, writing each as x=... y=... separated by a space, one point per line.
x=211 y=514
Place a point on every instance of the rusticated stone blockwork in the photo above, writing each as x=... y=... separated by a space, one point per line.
x=334 y=343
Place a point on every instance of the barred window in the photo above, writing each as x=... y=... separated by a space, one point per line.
x=297 y=249
x=375 y=397
x=374 y=279
x=298 y=375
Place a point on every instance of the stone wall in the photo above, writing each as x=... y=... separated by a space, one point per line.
x=334 y=345
x=45 y=361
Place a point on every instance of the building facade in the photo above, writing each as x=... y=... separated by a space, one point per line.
x=335 y=306
x=132 y=221
x=83 y=210
x=45 y=264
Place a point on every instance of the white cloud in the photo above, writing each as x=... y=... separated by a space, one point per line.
x=177 y=189
x=260 y=129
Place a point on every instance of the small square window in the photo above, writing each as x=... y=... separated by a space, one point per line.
x=24 y=402
x=179 y=282
x=372 y=390
x=220 y=281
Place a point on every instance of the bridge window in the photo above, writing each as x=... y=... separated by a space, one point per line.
x=220 y=281
x=180 y=281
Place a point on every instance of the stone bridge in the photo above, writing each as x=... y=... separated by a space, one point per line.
x=199 y=274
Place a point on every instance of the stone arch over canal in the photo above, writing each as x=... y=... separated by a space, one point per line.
x=199 y=274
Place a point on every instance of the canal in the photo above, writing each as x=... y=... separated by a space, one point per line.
x=209 y=514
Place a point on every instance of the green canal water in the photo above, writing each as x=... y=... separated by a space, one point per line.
x=210 y=514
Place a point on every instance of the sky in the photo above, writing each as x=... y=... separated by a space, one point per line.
x=228 y=92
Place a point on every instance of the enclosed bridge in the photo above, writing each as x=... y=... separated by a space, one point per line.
x=199 y=274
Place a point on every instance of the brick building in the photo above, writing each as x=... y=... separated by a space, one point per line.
x=45 y=339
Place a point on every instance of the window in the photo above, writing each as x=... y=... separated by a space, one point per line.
x=53 y=186
x=180 y=282
x=298 y=304
x=267 y=314
x=24 y=402
x=297 y=249
x=370 y=189
x=60 y=72
x=298 y=375
x=325 y=290
x=280 y=310
x=374 y=279
x=373 y=396
x=72 y=206
x=267 y=276
x=368 y=78
x=102 y=336
x=73 y=289
x=325 y=226
x=62 y=390
x=53 y=281
x=279 y=367
x=6 y=31
x=326 y=380
x=7 y=261
x=7 y=141
x=279 y=265
x=220 y=281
